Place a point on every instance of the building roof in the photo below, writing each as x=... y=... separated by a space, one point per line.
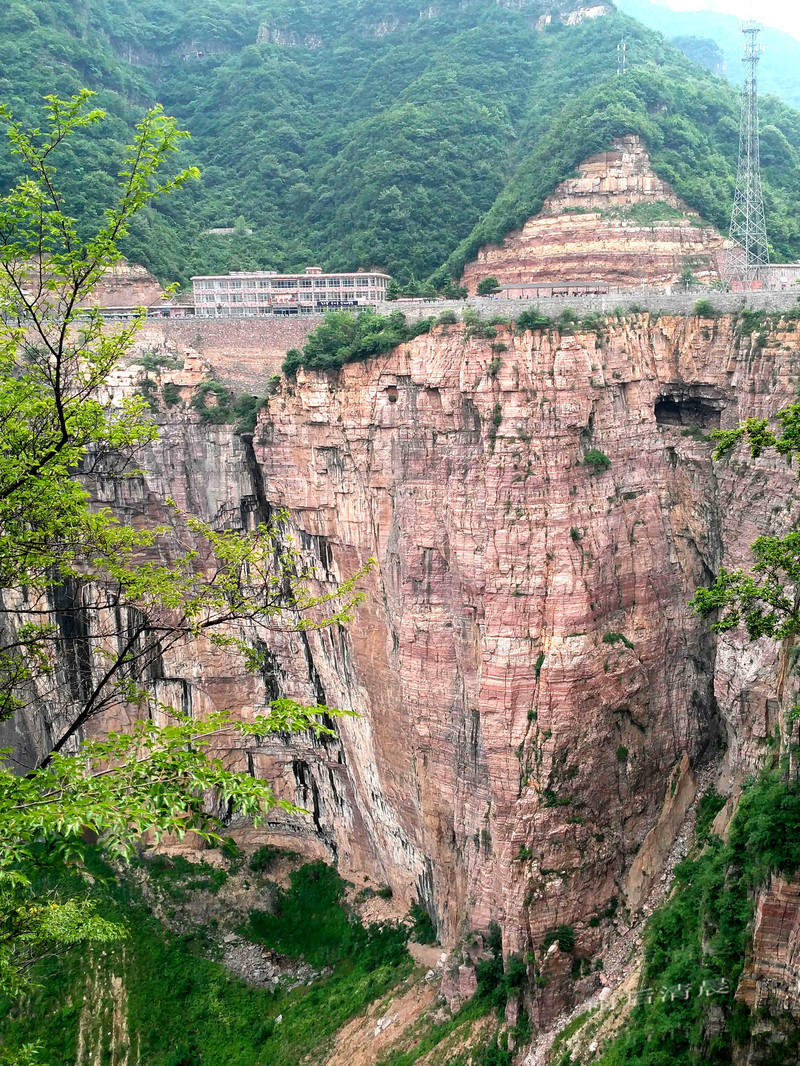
x=308 y=272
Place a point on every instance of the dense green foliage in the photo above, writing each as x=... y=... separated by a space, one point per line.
x=361 y=135
x=183 y=1007
x=701 y=935
x=346 y=338
x=309 y=922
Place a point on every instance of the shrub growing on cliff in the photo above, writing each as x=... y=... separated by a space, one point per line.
x=346 y=338
x=171 y=394
x=159 y=361
x=218 y=411
x=564 y=936
x=617 y=638
x=704 y=309
x=422 y=928
x=246 y=409
x=532 y=319
x=596 y=460
x=148 y=390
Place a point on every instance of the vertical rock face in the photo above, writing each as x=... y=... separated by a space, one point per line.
x=770 y=976
x=615 y=223
x=534 y=695
x=527 y=673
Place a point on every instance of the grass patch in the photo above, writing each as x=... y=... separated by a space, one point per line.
x=473 y=1010
x=176 y=875
x=309 y=922
x=185 y=1008
x=265 y=857
x=571 y=1029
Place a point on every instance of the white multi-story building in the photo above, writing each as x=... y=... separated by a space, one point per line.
x=265 y=292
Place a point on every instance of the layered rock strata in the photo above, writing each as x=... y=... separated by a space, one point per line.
x=126 y=285
x=770 y=979
x=615 y=225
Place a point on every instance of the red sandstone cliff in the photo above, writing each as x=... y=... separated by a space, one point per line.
x=514 y=751
x=770 y=978
x=590 y=232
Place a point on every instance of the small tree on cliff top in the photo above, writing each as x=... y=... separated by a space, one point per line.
x=125 y=596
x=488 y=287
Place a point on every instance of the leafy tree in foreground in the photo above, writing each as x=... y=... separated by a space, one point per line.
x=77 y=586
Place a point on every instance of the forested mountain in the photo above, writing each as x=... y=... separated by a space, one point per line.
x=693 y=30
x=377 y=135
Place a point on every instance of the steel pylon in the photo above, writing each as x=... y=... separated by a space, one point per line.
x=748 y=232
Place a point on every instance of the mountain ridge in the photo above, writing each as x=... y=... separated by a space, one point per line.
x=406 y=149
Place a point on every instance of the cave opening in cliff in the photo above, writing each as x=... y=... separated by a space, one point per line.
x=671 y=410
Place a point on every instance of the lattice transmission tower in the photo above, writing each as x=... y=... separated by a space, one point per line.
x=750 y=253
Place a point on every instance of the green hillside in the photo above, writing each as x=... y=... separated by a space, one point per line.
x=355 y=134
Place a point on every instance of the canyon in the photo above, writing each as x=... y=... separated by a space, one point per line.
x=536 y=704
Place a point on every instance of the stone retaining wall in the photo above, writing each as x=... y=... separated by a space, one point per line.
x=667 y=303
x=242 y=352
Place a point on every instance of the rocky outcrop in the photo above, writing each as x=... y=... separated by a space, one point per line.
x=615 y=224
x=126 y=285
x=770 y=979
